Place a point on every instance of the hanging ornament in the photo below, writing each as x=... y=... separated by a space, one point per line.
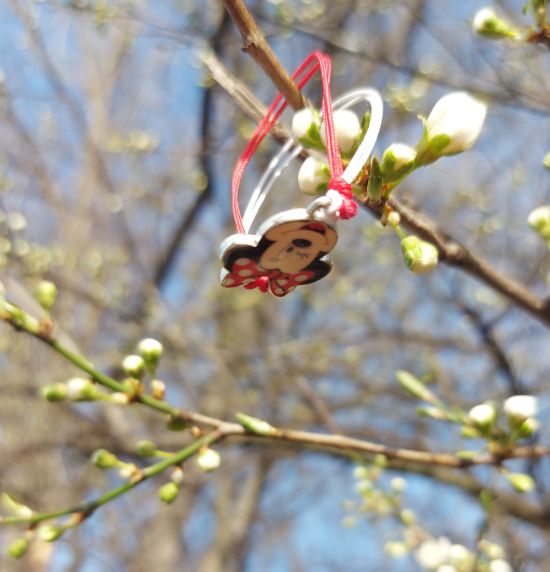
x=291 y=248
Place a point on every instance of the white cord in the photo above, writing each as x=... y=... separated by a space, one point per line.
x=290 y=150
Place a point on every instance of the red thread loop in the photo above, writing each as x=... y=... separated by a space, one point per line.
x=315 y=61
x=348 y=209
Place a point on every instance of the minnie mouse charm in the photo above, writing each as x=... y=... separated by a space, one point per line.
x=289 y=250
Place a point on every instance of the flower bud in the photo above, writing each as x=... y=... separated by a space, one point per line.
x=488 y=25
x=527 y=428
x=177 y=475
x=453 y=126
x=146 y=448
x=521 y=482
x=169 y=492
x=158 y=389
x=483 y=415
x=120 y=398
x=519 y=407
x=55 y=392
x=539 y=220
x=313 y=177
x=208 y=460
x=50 y=532
x=151 y=351
x=134 y=366
x=46 y=293
x=420 y=256
x=80 y=389
x=347 y=128
x=407 y=517
x=398 y=484
x=104 y=459
x=360 y=472
x=397 y=161
x=394 y=219
x=18 y=547
x=491 y=549
x=306 y=125
x=396 y=549
x=459 y=554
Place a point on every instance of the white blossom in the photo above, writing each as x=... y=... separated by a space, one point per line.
x=446 y=568
x=150 y=350
x=433 y=553
x=520 y=407
x=347 y=128
x=208 y=460
x=483 y=414
x=133 y=365
x=539 y=220
x=312 y=176
x=302 y=122
x=398 y=484
x=499 y=565
x=460 y=117
x=78 y=387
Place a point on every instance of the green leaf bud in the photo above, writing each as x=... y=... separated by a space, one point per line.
x=55 y=392
x=374 y=185
x=18 y=547
x=254 y=425
x=104 y=459
x=46 y=293
x=146 y=448
x=488 y=25
x=14 y=507
x=415 y=387
x=521 y=482
x=169 y=492
x=50 y=532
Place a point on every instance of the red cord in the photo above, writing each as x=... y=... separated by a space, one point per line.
x=315 y=61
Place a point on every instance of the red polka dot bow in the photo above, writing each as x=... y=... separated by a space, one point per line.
x=246 y=272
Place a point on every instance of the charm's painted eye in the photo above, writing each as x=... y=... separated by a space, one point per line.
x=301 y=242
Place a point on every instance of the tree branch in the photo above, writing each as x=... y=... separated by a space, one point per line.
x=256 y=46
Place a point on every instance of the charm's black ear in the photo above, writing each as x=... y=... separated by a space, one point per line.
x=231 y=255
